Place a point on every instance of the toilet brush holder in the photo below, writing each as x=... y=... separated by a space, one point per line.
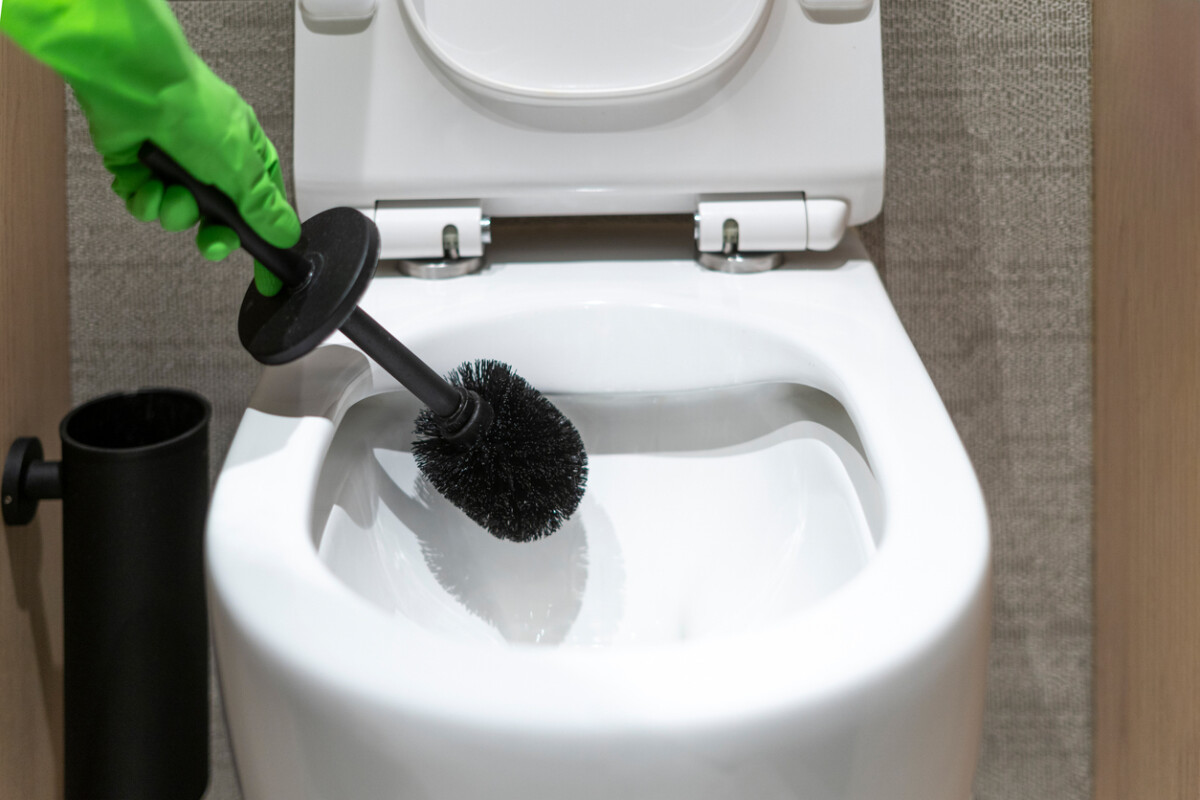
x=134 y=484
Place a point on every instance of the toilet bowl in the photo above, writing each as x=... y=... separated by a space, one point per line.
x=776 y=585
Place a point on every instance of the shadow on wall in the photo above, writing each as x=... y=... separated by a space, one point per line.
x=25 y=557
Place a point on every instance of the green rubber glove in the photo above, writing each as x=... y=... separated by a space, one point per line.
x=137 y=79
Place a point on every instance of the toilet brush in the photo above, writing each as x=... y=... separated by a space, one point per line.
x=489 y=442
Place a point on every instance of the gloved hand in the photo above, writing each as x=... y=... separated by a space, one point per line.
x=137 y=79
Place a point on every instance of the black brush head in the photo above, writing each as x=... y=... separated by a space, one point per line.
x=524 y=475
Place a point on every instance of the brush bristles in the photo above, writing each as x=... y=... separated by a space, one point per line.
x=525 y=475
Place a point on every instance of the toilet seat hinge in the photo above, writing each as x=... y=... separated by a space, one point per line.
x=744 y=235
x=442 y=239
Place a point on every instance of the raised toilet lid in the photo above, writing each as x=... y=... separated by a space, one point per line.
x=563 y=50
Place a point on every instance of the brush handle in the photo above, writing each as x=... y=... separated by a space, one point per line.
x=442 y=397
x=295 y=270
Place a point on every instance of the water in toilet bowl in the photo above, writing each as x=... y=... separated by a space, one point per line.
x=707 y=512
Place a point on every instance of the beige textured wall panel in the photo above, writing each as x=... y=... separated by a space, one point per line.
x=33 y=397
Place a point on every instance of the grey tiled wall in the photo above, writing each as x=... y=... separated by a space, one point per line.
x=984 y=243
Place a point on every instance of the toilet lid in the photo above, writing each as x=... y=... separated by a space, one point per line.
x=564 y=50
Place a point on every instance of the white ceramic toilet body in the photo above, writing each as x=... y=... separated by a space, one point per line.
x=870 y=689
x=777 y=583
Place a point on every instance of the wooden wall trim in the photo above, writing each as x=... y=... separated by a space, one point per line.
x=1146 y=129
x=34 y=395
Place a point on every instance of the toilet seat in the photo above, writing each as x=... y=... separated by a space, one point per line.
x=919 y=604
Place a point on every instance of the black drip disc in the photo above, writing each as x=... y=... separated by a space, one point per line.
x=342 y=248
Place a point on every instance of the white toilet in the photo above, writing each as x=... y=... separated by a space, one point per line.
x=777 y=584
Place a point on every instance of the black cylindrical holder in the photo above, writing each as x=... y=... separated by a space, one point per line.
x=134 y=484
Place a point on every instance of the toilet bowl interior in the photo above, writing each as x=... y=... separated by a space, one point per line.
x=708 y=512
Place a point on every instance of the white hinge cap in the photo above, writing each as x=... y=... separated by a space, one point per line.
x=449 y=229
x=770 y=226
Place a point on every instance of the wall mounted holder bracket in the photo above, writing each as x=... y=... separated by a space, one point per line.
x=27 y=480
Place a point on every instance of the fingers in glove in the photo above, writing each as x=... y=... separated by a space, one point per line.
x=215 y=242
x=127 y=178
x=265 y=281
x=179 y=210
x=146 y=203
